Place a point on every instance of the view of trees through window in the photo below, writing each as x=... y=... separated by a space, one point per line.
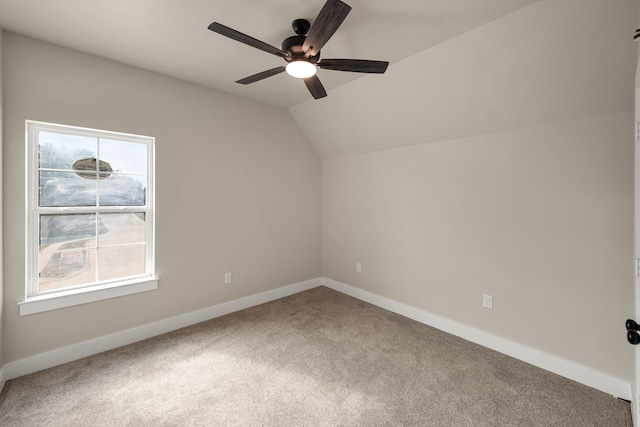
x=91 y=221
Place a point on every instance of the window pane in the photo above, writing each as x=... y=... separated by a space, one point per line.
x=122 y=261
x=59 y=151
x=66 y=189
x=123 y=228
x=127 y=157
x=88 y=206
x=123 y=190
x=68 y=231
x=59 y=270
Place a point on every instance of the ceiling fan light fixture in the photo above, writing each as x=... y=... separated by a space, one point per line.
x=301 y=69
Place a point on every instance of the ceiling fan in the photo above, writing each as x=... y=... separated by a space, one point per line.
x=302 y=51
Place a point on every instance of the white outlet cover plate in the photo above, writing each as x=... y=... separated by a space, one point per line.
x=487 y=301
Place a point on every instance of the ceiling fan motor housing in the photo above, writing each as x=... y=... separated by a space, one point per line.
x=294 y=44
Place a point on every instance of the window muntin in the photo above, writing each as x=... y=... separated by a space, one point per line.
x=90 y=208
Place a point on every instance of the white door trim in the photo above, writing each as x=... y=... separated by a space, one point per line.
x=635 y=383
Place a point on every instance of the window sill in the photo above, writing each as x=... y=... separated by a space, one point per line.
x=73 y=297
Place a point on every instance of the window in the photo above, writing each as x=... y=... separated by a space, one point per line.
x=90 y=215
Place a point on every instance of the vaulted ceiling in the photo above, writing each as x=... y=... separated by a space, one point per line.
x=457 y=67
x=171 y=37
x=551 y=62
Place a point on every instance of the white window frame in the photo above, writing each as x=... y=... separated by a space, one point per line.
x=36 y=301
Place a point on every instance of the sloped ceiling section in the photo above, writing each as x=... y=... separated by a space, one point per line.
x=171 y=37
x=550 y=62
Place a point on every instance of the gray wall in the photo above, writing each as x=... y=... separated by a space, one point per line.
x=541 y=218
x=238 y=189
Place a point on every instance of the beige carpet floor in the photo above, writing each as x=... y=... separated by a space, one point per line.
x=318 y=358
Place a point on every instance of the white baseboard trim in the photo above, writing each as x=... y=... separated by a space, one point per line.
x=549 y=362
x=557 y=365
x=73 y=352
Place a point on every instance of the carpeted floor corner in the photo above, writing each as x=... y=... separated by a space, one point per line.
x=318 y=358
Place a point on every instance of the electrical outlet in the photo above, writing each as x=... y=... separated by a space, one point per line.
x=227 y=277
x=358 y=267
x=487 y=301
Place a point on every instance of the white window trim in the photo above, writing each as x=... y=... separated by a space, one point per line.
x=35 y=302
x=69 y=298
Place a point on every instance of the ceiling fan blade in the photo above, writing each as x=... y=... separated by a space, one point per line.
x=262 y=75
x=354 y=65
x=315 y=87
x=329 y=19
x=248 y=40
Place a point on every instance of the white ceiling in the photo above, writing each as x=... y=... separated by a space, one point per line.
x=171 y=37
